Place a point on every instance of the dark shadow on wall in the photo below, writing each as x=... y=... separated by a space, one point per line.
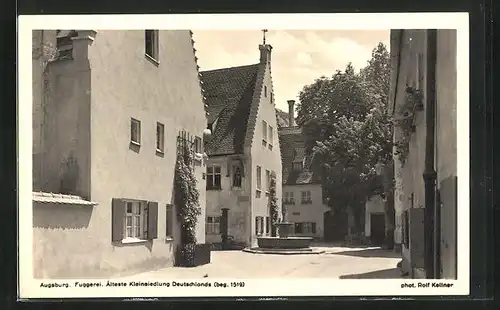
x=370 y=253
x=393 y=273
x=61 y=216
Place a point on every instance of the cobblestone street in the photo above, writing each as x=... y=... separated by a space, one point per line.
x=336 y=262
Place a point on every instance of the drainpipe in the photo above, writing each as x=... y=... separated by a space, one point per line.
x=429 y=174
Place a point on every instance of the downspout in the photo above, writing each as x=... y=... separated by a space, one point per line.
x=429 y=174
x=400 y=46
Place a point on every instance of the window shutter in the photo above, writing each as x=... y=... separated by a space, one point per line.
x=169 y=221
x=152 y=220
x=313 y=228
x=117 y=219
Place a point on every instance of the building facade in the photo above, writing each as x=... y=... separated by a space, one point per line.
x=424 y=100
x=110 y=107
x=244 y=151
x=302 y=190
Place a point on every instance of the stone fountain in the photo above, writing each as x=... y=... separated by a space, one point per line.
x=285 y=242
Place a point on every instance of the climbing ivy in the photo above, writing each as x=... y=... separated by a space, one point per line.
x=187 y=200
x=413 y=102
x=273 y=204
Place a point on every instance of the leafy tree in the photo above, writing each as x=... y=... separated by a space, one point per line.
x=348 y=132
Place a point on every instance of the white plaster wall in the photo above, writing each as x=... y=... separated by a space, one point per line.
x=307 y=212
x=264 y=157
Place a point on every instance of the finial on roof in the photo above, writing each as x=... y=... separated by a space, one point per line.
x=264 y=31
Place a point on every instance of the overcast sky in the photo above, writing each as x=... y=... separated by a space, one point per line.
x=298 y=56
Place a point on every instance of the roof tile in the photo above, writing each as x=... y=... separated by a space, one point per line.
x=229 y=94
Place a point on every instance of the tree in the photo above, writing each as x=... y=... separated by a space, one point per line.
x=348 y=132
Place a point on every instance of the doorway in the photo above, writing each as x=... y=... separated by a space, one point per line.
x=377 y=228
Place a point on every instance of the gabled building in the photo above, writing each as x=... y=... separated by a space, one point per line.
x=423 y=99
x=110 y=108
x=302 y=190
x=244 y=150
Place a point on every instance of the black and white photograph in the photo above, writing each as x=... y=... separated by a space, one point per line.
x=244 y=155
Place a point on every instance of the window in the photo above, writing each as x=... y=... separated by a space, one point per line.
x=305 y=228
x=160 y=137
x=270 y=141
x=213 y=225
x=289 y=200
x=306 y=197
x=297 y=166
x=272 y=97
x=135 y=131
x=236 y=176
x=259 y=225
x=169 y=220
x=295 y=213
x=268 y=180
x=213 y=177
x=151 y=44
x=134 y=220
x=198 y=146
x=265 y=91
x=268 y=224
x=264 y=133
x=259 y=178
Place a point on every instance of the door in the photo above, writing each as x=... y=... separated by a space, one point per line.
x=224 y=227
x=448 y=228
x=377 y=228
x=334 y=226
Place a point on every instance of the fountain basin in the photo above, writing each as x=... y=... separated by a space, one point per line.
x=284 y=243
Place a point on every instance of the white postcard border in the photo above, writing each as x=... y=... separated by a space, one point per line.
x=29 y=287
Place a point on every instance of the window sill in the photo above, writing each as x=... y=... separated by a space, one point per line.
x=169 y=238
x=152 y=60
x=214 y=189
x=160 y=153
x=135 y=143
x=133 y=241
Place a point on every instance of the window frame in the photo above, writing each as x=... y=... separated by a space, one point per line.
x=289 y=198
x=212 y=225
x=154 y=53
x=212 y=176
x=268 y=180
x=141 y=208
x=258 y=179
x=264 y=133
x=270 y=141
x=305 y=199
x=137 y=123
x=198 y=145
x=169 y=225
x=237 y=167
x=160 y=138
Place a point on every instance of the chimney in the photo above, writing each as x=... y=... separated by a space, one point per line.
x=291 y=111
x=81 y=44
x=265 y=53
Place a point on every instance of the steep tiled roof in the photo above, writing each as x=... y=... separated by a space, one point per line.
x=292 y=145
x=282 y=118
x=229 y=94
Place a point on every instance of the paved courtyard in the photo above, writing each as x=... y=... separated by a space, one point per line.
x=336 y=262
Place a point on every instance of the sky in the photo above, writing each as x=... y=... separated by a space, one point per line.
x=298 y=56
